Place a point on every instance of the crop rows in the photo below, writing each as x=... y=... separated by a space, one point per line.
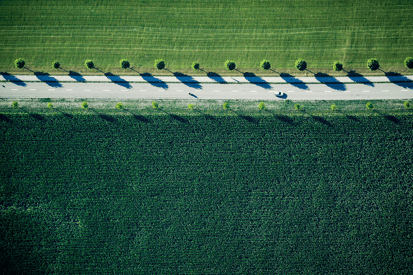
x=206 y=194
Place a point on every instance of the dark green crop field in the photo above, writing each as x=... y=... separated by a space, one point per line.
x=207 y=31
x=129 y=193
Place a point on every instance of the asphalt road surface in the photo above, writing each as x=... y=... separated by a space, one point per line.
x=249 y=91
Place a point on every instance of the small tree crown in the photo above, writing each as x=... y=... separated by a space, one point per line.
x=50 y=105
x=84 y=105
x=297 y=106
x=195 y=66
x=373 y=64
x=56 y=64
x=230 y=65
x=369 y=105
x=15 y=104
x=265 y=64
x=337 y=66
x=190 y=106
x=300 y=64
x=19 y=63
x=159 y=64
x=89 y=64
x=226 y=106
x=407 y=104
x=408 y=62
x=333 y=107
x=124 y=64
x=261 y=106
x=119 y=105
x=155 y=105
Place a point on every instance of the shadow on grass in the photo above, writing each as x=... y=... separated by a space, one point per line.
x=154 y=81
x=252 y=78
x=13 y=79
x=399 y=80
x=49 y=80
x=106 y=117
x=33 y=115
x=118 y=80
x=247 y=118
x=63 y=113
x=293 y=81
x=282 y=118
x=176 y=117
x=330 y=81
x=216 y=77
x=206 y=116
x=4 y=118
x=388 y=117
x=76 y=76
x=319 y=119
x=187 y=80
x=358 y=78
x=137 y=117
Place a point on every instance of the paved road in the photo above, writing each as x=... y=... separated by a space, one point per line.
x=124 y=87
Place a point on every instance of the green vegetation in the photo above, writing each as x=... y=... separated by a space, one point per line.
x=261 y=106
x=110 y=30
x=230 y=65
x=297 y=107
x=155 y=105
x=265 y=64
x=226 y=106
x=195 y=66
x=337 y=66
x=408 y=62
x=373 y=64
x=334 y=107
x=50 y=105
x=19 y=63
x=15 y=104
x=159 y=64
x=56 y=64
x=124 y=64
x=84 y=105
x=407 y=104
x=369 y=105
x=89 y=64
x=300 y=64
x=190 y=106
x=118 y=192
x=119 y=106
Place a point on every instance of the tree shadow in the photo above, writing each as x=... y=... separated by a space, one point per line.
x=76 y=76
x=154 y=81
x=319 y=119
x=206 y=116
x=13 y=79
x=137 y=117
x=187 y=80
x=247 y=118
x=282 y=118
x=33 y=115
x=293 y=81
x=388 y=117
x=176 y=117
x=4 y=118
x=252 y=78
x=118 y=80
x=63 y=113
x=274 y=71
x=49 y=80
x=399 y=80
x=216 y=77
x=330 y=81
x=358 y=78
x=106 y=117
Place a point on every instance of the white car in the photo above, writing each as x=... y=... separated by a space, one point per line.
x=279 y=94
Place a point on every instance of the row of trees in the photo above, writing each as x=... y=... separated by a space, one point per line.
x=300 y=64
x=226 y=105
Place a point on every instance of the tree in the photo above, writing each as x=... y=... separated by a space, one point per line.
x=190 y=106
x=408 y=62
x=89 y=64
x=334 y=107
x=230 y=65
x=50 y=105
x=155 y=105
x=297 y=106
x=195 y=66
x=265 y=64
x=56 y=64
x=337 y=66
x=159 y=64
x=119 y=106
x=300 y=64
x=373 y=64
x=369 y=106
x=407 y=104
x=124 y=64
x=226 y=106
x=261 y=106
x=84 y=105
x=19 y=63
x=15 y=104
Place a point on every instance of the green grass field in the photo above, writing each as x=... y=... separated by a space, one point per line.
x=164 y=192
x=209 y=32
